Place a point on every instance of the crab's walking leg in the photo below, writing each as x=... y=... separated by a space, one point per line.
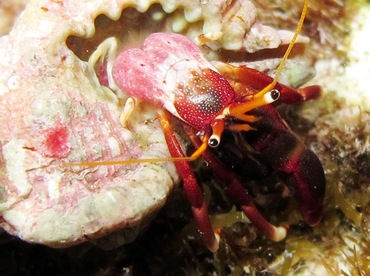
x=239 y=194
x=257 y=80
x=192 y=190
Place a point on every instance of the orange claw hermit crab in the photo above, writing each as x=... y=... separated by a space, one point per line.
x=170 y=72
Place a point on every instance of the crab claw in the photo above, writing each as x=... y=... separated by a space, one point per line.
x=292 y=160
x=307 y=183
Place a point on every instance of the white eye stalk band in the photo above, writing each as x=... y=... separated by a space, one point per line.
x=214 y=141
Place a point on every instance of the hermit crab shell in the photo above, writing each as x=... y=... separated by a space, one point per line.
x=54 y=111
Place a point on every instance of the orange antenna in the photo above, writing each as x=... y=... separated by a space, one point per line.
x=287 y=52
x=166 y=126
x=128 y=162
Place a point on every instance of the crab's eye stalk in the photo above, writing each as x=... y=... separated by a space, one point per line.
x=214 y=141
x=218 y=126
x=272 y=96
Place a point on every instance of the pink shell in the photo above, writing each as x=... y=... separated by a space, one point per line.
x=54 y=111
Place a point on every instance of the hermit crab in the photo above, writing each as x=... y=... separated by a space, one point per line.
x=170 y=72
x=57 y=191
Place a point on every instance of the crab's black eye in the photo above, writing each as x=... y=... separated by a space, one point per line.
x=274 y=94
x=213 y=142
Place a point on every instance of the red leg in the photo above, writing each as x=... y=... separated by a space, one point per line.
x=192 y=190
x=238 y=194
x=242 y=77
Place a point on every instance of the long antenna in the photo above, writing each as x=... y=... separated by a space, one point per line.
x=128 y=162
x=287 y=52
